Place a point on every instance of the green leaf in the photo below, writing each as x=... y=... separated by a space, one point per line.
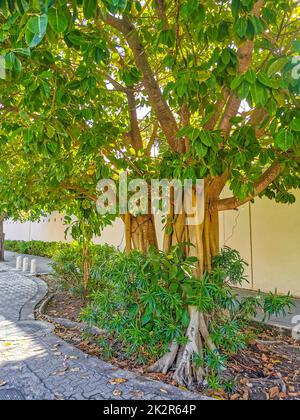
x=206 y=138
x=35 y=30
x=241 y=26
x=295 y=124
x=284 y=140
x=235 y=8
x=236 y=82
x=257 y=25
x=296 y=46
x=26 y=52
x=200 y=149
x=58 y=20
x=243 y=90
x=277 y=66
x=173 y=272
x=193 y=133
x=38 y=24
x=250 y=76
x=226 y=57
x=258 y=94
x=22 y=6
x=89 y=8
x=11 y=6
x=167 y=37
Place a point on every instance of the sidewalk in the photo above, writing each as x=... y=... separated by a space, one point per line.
x=37 y=365
x=283 y=323
x=43 y=264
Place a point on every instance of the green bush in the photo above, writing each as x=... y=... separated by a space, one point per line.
x=138 y=299
x=68 y=265
x=39 y=248
x=142 y=301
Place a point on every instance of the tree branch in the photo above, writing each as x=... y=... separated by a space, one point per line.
x=164 y=114
x=265 y=180
x=245 y=53
x=152 y=139
x=210 y=125
x=161 y=11
x=135 y=134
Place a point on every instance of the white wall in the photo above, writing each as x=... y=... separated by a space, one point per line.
x=266 y=234
x=52 y=229
x=49 y=229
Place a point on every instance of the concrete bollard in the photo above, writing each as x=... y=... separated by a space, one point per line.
x=33 y=267
x=19 y=263
x=25 y=264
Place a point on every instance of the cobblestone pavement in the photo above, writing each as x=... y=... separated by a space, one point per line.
x=39 y=365
x=43 y=264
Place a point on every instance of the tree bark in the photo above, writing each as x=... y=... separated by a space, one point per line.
x=2 y=237
x=204 y=240
x=143 y=232
x=86 y=268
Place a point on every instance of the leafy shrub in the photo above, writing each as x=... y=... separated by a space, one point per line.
x=39 y=248
x=138 y=298
x=67 y=266
x=143 y=302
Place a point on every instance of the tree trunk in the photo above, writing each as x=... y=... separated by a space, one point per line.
x=2 y=237
x=202 y=241
x=86 y=268
x=140 y=232
x=204 y=238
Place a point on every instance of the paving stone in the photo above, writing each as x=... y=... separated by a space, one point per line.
x=11 y=395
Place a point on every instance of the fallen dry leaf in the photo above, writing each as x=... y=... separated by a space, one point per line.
x=138 y=394
x=75 y=370
x=244 y=381
x=261 y=347
x=118 y=381
x=274 y=392
x=294 y=394
x=117 y=392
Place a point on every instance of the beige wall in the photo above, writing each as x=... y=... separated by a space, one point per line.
x=276 y=246
x=52 y=229
x=266 y=234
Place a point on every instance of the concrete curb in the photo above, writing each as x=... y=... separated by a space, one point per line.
x=27 y=311
x=66 y=322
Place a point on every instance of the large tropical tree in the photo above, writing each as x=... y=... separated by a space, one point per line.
x=177 y=89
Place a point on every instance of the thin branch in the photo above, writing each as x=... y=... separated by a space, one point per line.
x=152 y=140
x=135 y=134
x=245 y=54
x=161 y=11
x=163 y=112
